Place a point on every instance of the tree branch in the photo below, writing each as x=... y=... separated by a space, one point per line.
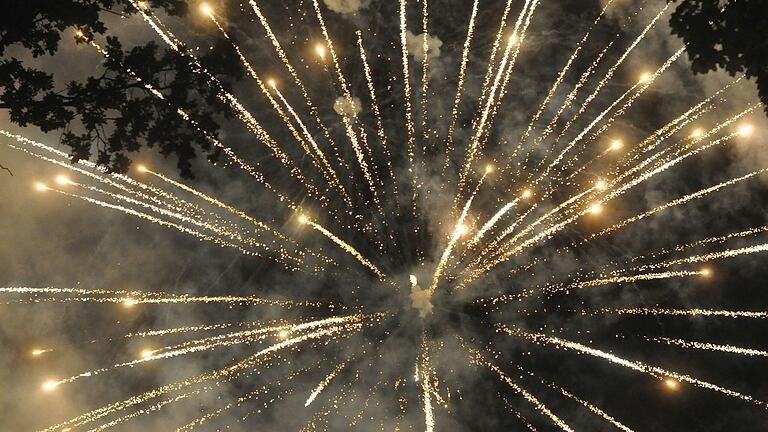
x=4 y=168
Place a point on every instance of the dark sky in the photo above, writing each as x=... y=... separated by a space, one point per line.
x=49 y=240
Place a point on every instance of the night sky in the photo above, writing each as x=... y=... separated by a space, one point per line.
x=51 y=240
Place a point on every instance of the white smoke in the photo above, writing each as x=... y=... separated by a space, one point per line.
x=415 y=45
x=342 y=106
x=346 y=6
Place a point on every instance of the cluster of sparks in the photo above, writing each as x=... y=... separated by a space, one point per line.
x=531 y=190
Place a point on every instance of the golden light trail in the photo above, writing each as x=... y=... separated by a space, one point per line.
x=426 y=383
x=594 y=409
x=228 y=151
x=654 y=371
x=424 y=99
x=569 y=172
x=228 y=339
x=344 y=245
x=348 y=123
x=299 y=84
x=559 y=80
x=324 y=383
x=567 y=287
x=410 y=129
x=459 y=86
x=478 y=358
x=458 y=231
x=710 y=346
x=492 y=222
x=678 y=312
x=133 y=298
x=250 y=361
x=316 y=152
x=375 y=106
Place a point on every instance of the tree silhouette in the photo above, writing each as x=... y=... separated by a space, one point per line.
x=732 y=35
x=109 y=114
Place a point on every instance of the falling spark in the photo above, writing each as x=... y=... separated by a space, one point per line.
x=324 y=383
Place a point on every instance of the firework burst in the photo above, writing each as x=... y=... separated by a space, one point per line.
x=380 y=175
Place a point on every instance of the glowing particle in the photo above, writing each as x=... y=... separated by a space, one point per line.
x=63 y=180
x=671 y=383
x=206 y=9
x=746 y=130
x=595 y=208
x=50 y=385
x=697 y=133
x=130 y=302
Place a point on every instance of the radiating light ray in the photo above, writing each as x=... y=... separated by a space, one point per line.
x=348 y=248
x=570 y=98
x=410 y=129
x=242 y=399
x=213 y=140
x=518 y=35
x=242 y=113
x=702 y=242
x=377 y=113
x=612 y=70
x=116 y=181
x=284 y=257
x=641 y=86
x=478 y=358
x=426 y=386
x=507 y=251
x=324 y=383
x=479 y=129
x=234 y=338
x=316 y=152
x=491 y=223
x=494 y=50
x=573 y=142
x=594 y=409
x=148 y=297
x=299 y=84
x=525 y=421
x=459 y=86
x=250 y=361
x=559 y=79
x=678 y=312
x=654 y=371
x=458 y=231
x=235 y=211
x=348 y=122
x=318 y=157
x=707 y=346
x=424 y=99
x=567 y=287
x=696 y=195
x=186 y=230
x=591 y=407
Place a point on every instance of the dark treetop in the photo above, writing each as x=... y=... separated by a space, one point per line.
x=108 y=114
